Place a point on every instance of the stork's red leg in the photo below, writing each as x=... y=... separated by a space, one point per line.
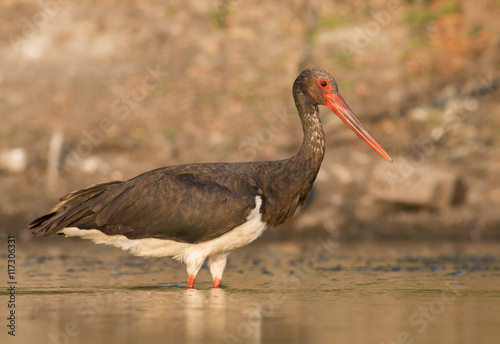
x=217 y=283
x=190 y=283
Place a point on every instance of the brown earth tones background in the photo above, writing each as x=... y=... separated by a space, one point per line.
x=92 y=91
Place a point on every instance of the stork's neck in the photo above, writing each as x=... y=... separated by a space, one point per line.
x=290 y=181
x=312 y=151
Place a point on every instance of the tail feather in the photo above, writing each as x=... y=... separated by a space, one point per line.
x=40 y=220
x=68 y=218
x=73 y=208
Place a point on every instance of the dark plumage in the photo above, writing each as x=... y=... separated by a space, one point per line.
x=198 y=203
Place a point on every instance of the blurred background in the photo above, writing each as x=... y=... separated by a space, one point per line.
x=92 y=91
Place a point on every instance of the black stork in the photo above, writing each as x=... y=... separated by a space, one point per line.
x=197 y=211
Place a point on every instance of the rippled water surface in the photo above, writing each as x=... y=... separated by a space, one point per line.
x=71 y=291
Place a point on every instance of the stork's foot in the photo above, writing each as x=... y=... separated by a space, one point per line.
x=217 y=283
x=217 y=264
x=190 y=283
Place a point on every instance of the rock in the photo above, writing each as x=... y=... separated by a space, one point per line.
x=14 y=160
x=419 y=185
x=420 y=113
x=93 y=164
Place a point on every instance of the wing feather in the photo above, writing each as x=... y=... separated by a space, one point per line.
x=187 y=203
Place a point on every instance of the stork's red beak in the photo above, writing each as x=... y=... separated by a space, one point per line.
x=335 y=102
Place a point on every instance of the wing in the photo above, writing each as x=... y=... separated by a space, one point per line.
x=187 y=203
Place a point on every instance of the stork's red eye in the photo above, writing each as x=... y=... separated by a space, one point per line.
x=325 y=85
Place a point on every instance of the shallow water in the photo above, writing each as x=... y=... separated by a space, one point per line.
x=71 y=291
